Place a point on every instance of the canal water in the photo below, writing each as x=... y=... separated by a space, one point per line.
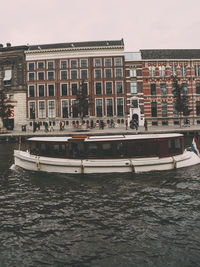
x=98 y=220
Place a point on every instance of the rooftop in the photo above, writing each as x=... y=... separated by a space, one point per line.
x=170 y=54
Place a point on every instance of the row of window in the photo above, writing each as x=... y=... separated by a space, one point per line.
x=65 y=90
x=183 y=71
x=163 y=88
x=74 y=74
x=70 y=106
x=75 y=63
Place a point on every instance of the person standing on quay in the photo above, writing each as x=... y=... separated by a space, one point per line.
x=126 y=124
x=145 y=125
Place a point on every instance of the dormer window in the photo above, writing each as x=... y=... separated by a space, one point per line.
x=7 y=77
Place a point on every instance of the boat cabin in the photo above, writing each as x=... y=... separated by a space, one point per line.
x=110 y=147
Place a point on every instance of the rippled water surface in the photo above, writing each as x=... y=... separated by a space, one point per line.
x=98 y=220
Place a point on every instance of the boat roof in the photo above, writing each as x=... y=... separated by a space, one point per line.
x=104 y=138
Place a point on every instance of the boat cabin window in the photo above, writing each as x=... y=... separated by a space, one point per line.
x=121 y=149
x=34 y=148
x=92 y=149
x=59 y=149
x=106 y=149
x=45 y=149
x=174 y=146
x=76 y=150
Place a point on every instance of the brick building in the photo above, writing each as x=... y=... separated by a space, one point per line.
x=13 y=82
x=56 y=71
x=158 y=69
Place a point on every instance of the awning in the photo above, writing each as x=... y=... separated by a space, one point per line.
x=8 y=75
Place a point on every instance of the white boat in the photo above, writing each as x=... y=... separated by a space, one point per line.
x=106 y=154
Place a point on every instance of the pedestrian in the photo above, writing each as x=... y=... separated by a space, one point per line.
x=102 y=125
x=126 y=122
x=145 y=125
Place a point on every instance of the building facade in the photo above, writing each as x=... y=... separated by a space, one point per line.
x=56 y=71
x=13 y=83
x=159 y=68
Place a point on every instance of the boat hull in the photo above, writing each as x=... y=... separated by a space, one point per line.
x=76 y=166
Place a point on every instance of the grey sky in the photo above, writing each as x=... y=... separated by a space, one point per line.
x=142 y=23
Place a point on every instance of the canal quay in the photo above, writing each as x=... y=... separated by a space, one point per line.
x=14 y=135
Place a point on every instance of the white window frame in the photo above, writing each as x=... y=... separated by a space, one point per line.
x=54 y=109
x=116 y=87
x=96 y=107
x=63 y=70
x=133 y=72
x=62 y=100
x=81 y=73
x=38 y=65
x=48 y=89
x=61 y=64
x=44 y=115
x=76 y=75
x=116 y=72
x=134 y=87
x=29 y=90
x=116 y=106
x=112 y=106
x=38 y=75
x=105 y=73
x=29 y=66
x=108 y=66
x=87 y=87
x=116 y=64
x=95 y=73
x=95 y=88
x=32 y=72
x=29 y=108
x=72 y=67
x=95 y=62
x=48 y=64
x=81 y=63
x=71 y=87
x=61 y=89
x=48 y=75
x=106 y=85
x=38 y=89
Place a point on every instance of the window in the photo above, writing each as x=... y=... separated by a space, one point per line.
x=133 y=86
x=197 y=88
x=98 y=89
x=74 y=75
x=85 y=88
x=108 y=73
x=40 y=76
x=7 y=77
x=63 y=74
x=164 y=109
x=84 y=74
x=41 y=111
x=109 y=107
x=120 y=107
x=74 y=63
x=84 y=63
x=32 y=110
x=31 y=66
x=118 y=73
x=51 y=109
x=107 y=62
x=183 y=71
x=134 y=103
x=152 y=71
x=97 y=73
x=31 y=91
x=50 y=65
x=40 y=90
x=31 y=76
x=175 y=112
x=64 y=89
x=162 y=71
x=74 y=87
x=50 y=75
x=185 y=88
x=51 y=90
x=119 y=87
x=118 y=61
x=40 y=65
x=99 y=108
x=154 y=109
x=108 y=88
x=198 y=108
x=97 y=62
x=173 y=70
x=153 y=88
x=133 y=73
x=196 y=70
x=65 y=109
x=163 y=89
x=63 y=64
x=74 y=109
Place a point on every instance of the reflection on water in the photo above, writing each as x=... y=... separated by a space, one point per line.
x=98 y=220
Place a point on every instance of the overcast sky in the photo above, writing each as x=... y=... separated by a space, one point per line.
x=142 y=23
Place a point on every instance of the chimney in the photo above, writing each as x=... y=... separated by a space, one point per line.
x=8 y=44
